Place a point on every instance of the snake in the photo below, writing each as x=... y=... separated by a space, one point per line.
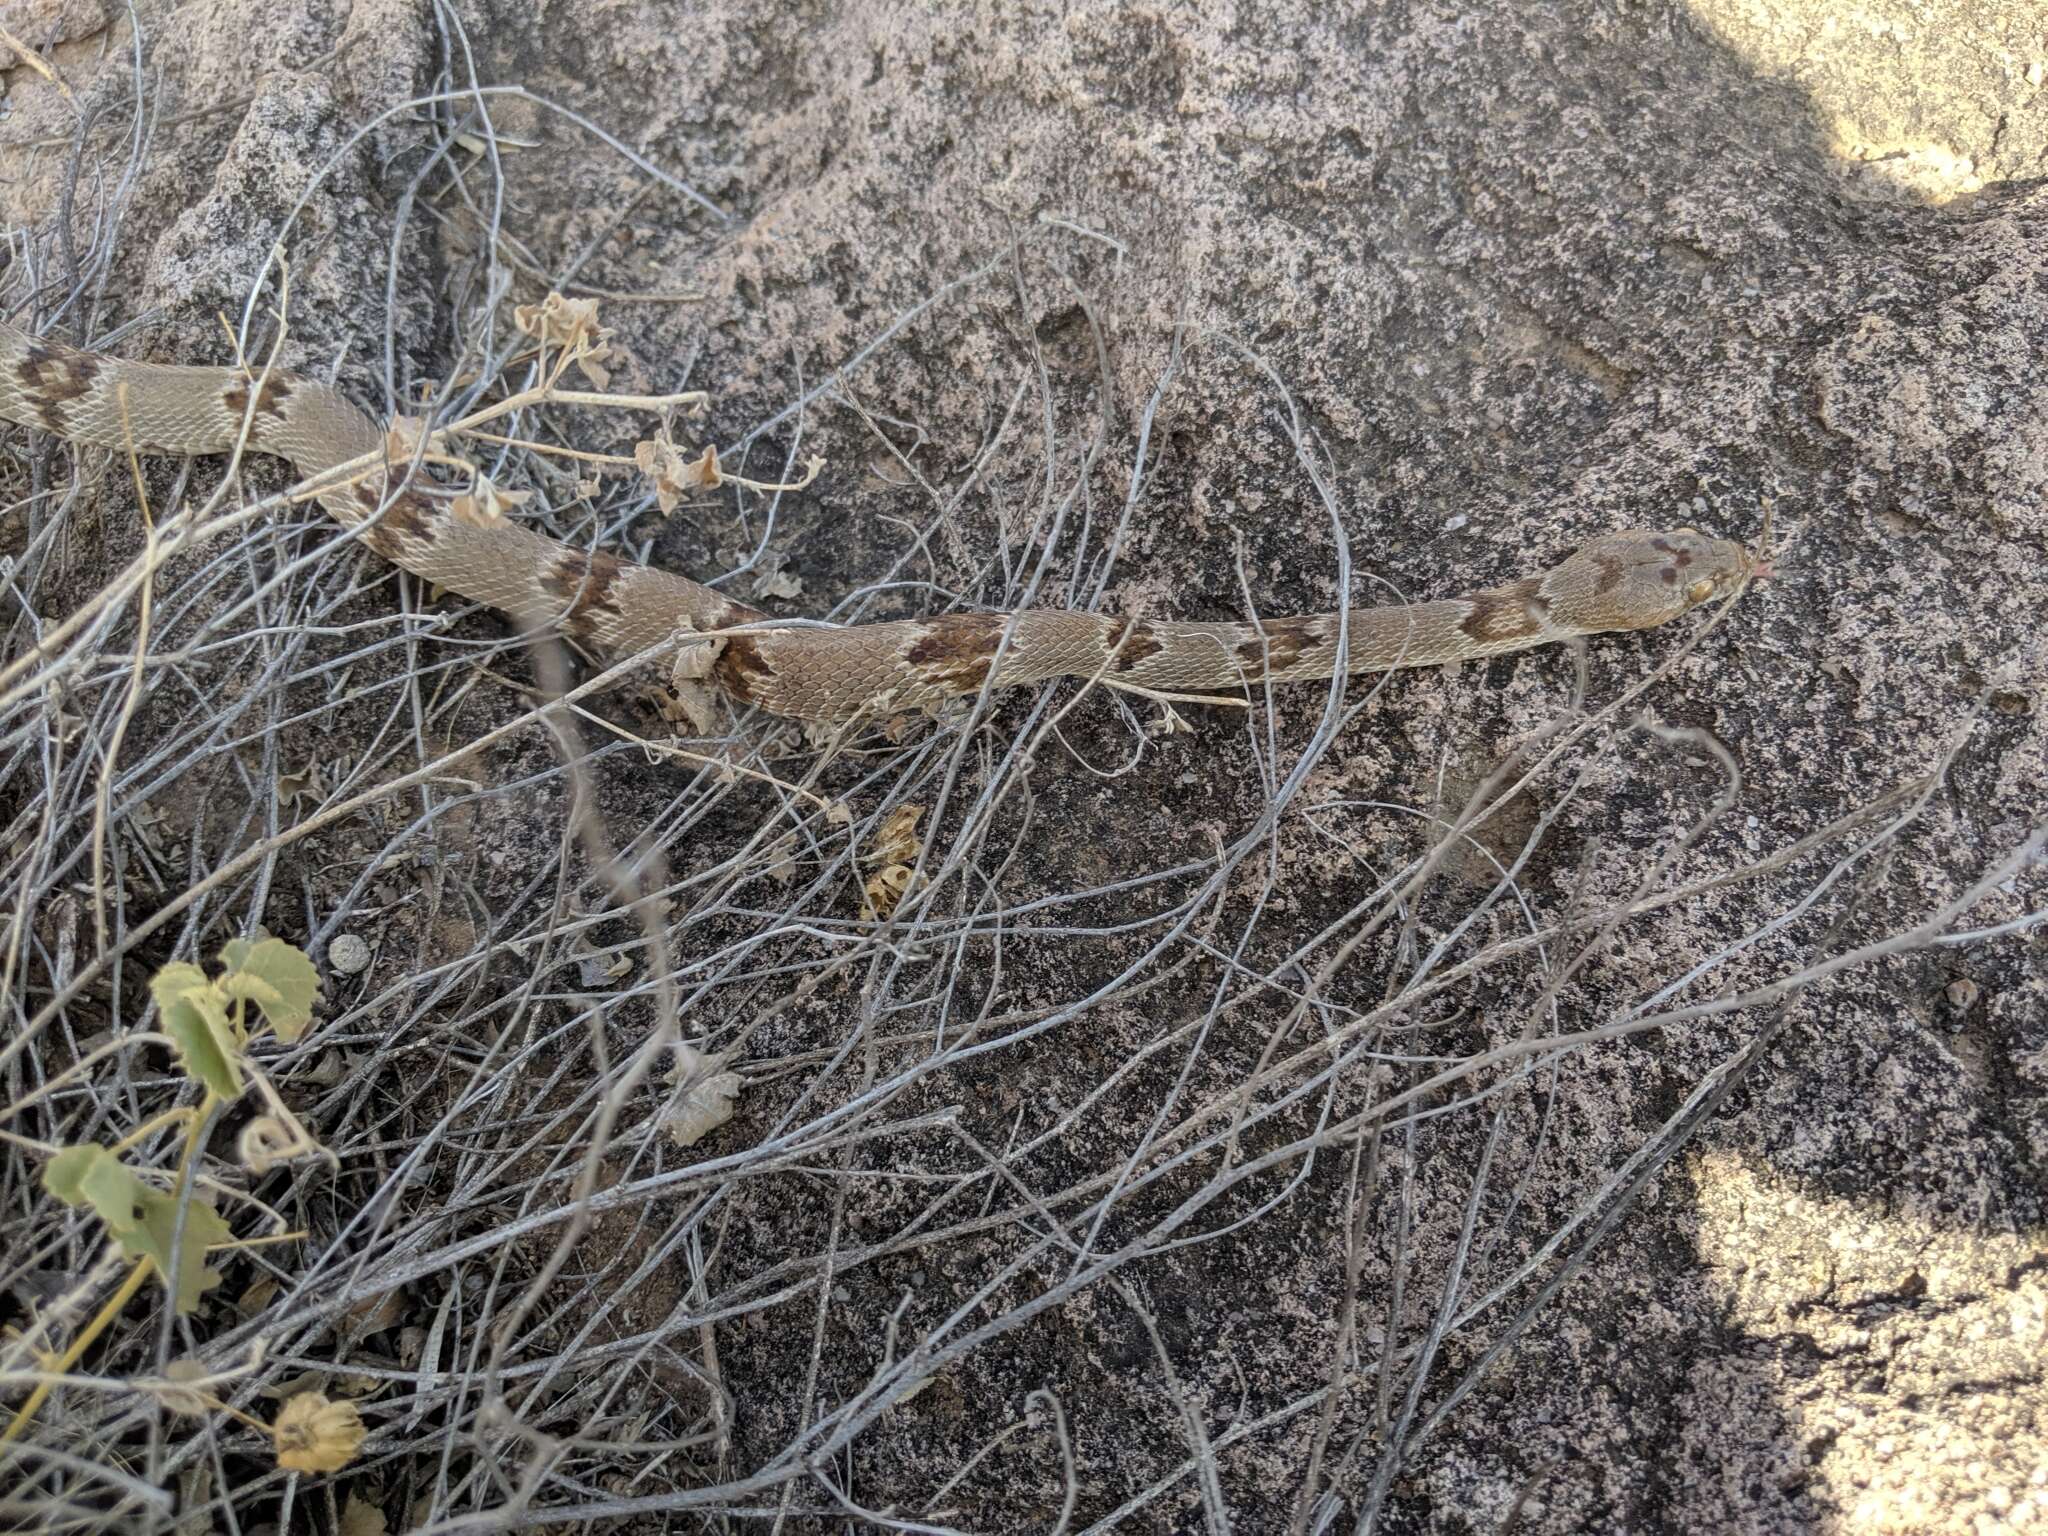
x=822 y=675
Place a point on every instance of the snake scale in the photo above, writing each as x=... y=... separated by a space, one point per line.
x=1628 y=580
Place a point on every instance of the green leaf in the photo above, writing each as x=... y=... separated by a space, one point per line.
x=116 y=1194
x=275 y=976
x=64 y=1174
x=175 y=980
x=152 y=1238
x=91 y=1175
x=195 y=1016
x=141 y=1218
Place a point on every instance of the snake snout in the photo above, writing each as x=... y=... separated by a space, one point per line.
x=1699 y=569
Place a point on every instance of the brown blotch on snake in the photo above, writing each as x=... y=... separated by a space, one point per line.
x=410 y=520
x=743 y=671
x=55 y=377
x=1278 y=645
x=956 y=650
x=272 y=396
x=585 y=584
x=1132 y=643
x=1506 y=613
x=1673 y=573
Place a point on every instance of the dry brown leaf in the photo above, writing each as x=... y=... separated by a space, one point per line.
x=780 y=857
x=570 y=324
x=483 y=504
x=558 y=321
x=896 y=840
x=293 y=1386
x=313 y=1434
x=304 y=784
x=373 y=1314
x=359 y=1517
x=260 y=1293
x=195 y=1492
x=703 y=470
x=885 y=890
x=659 y=462
x=674 y=476
x=667 y=707
x=772 y=579
x=175 y=1391
x=403 y=437
x=269 y=1142
x=705 y=1097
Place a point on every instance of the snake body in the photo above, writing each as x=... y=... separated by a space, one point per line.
x=1628 y=580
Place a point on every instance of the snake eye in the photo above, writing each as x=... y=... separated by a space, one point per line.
x=1699 y=592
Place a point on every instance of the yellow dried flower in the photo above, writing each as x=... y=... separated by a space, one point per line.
x=315 y=1435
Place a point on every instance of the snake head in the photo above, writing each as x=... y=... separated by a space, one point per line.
x=1647 y=576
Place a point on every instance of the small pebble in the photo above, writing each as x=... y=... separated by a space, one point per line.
x=348 y=955
x=1453 y=524
x=1961 y=993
